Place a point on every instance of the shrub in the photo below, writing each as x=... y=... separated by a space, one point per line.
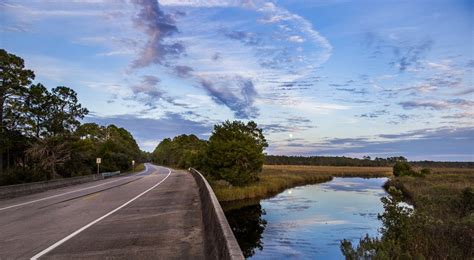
x=401 y=169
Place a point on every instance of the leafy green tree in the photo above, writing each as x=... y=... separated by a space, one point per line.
x=40 y=131
x=183 y=151
x=235 y=152
x=14 y=81
x=64 y=111
x=162 y=153
x=36 y=110
x=118 y=149
x=116 y=146
x=91 y=131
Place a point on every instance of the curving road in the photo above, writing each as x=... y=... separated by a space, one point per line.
x=152 y=214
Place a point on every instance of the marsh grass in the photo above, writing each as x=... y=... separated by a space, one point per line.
x=441 y=225
x=436 y=192
x=276 y=178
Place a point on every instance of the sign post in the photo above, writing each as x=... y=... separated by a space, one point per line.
x=133 y=165
x=98 y=161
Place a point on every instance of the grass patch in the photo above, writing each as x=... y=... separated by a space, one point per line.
x=276 y=178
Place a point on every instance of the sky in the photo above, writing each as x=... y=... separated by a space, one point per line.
x=345 y=78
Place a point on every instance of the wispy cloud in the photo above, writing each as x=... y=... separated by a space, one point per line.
x=242 y=104
x=291 y=125
x=232 y=80
x=148 y=91
x=405 y=55
x=157 y=26
x=437 y=104
x=375 y=114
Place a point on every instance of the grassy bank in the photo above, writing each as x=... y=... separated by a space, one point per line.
x=441 y=225
x=276 y=178
x=438 y=192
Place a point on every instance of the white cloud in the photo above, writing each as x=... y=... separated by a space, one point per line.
x=296 y=38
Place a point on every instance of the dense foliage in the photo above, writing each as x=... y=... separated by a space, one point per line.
x=41 y=136
x=234 y=152
x=405 y=169
x=183 y=151
x=366 y=161
x=402 y=168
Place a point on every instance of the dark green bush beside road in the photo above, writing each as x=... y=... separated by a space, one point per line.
x=234 y=152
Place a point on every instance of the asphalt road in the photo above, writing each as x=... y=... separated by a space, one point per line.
x=155 y=214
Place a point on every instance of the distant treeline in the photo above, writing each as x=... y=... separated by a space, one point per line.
x=366 y=161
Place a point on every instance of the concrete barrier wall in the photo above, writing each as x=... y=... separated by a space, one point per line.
x=219 y=238
x=11 y=191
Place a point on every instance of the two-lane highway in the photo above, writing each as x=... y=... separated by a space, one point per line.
x=63 y=223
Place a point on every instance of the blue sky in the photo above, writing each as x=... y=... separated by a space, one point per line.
x=354 y=78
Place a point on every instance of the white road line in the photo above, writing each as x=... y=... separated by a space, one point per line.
x=69 y=192
x=47 y=250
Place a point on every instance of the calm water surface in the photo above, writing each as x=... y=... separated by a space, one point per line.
x=309 y=222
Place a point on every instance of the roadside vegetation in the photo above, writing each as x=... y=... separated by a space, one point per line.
x=41 y=136
x=440 y=226
x=233 y=154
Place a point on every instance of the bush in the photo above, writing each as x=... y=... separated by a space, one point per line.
x=404 y=169
x=401 y=169
x=235 y=152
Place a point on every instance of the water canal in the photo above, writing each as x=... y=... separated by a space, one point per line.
x=308 y=222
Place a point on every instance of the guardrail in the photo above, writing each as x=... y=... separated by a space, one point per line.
x=109 y=174
x=16 y=190
x=219 y=240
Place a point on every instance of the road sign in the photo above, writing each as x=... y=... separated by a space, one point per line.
x=99 y=160
x=133 y=162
